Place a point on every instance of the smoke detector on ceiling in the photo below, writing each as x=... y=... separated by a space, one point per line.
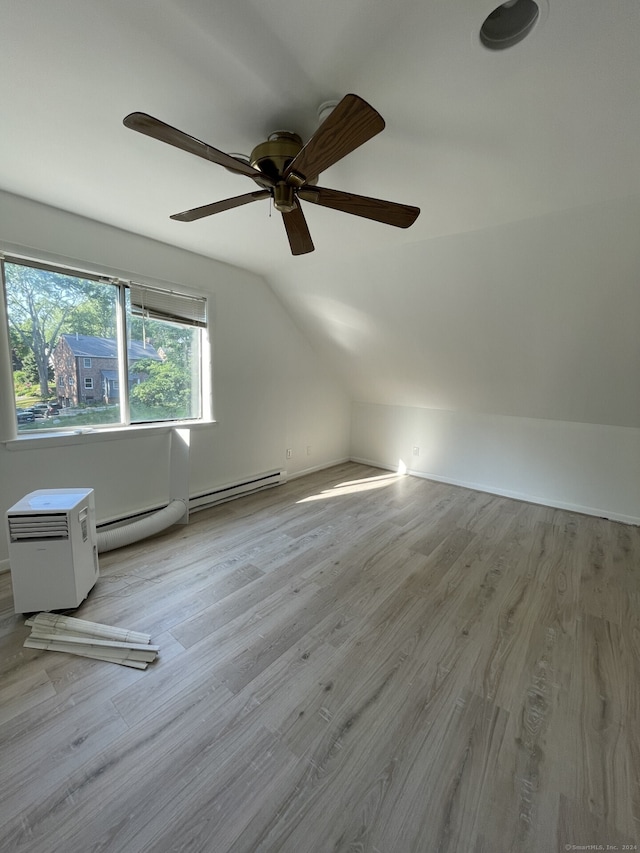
x=510 y=23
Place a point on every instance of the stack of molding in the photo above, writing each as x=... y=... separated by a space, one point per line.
x=90 y=640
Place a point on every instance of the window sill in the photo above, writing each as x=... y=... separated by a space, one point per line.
x=97 y=434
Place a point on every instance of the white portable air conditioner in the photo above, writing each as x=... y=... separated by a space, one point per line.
x=53 y=550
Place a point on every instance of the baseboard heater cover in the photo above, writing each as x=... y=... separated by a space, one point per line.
x=215 y=496
x=127 y=530
x=236 y=490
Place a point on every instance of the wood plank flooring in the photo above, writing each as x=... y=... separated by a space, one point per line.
x=353 y=661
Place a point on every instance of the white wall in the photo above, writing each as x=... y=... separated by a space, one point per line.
x=510 y=355
x=537 y=318
x=271 y=392
x=584 y=467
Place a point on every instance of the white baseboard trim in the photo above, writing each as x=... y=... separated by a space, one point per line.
x=316 y=468
x=4 y=566
x=508 y=493
x=360 y=460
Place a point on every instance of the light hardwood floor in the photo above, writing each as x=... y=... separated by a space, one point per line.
x=350 y=662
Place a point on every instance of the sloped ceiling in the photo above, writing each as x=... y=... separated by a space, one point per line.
x=516 y=291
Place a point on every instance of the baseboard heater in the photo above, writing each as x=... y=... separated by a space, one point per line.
x=206 y=499
x=133 y=528
x=236 y=490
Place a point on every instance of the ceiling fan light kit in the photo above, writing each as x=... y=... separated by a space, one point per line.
x=287 y=171
x=325 y=109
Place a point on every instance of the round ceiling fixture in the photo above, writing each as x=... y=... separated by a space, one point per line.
x=509 y=24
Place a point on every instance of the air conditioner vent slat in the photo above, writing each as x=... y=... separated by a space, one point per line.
x=45 y=526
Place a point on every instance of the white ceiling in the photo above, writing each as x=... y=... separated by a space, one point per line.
x=477 y=139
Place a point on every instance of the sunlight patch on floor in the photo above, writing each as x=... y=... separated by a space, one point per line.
x=352 y=487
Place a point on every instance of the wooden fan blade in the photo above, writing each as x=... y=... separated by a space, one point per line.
x=157 y=129
x=350 y=124
x=400 y=215
x=219 y=206
x=297 y=231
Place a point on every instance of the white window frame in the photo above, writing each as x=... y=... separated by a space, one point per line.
x=88 y=383
x=120 y=278
x=86 y=362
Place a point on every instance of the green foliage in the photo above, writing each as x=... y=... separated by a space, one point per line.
x=42 y=305
x=173 y=340
x=23 y=384
x=96 y=314
x=19 y=348
x=166 y=386
x=30 y=368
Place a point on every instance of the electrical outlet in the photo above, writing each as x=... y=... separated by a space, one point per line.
x=416 y=450
x=289 y=453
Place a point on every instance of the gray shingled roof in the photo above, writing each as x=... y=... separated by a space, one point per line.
x=88 y=346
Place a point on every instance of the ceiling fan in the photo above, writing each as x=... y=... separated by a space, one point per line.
x=287 y=171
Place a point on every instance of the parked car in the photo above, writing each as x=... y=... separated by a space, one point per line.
x=52 y=409
x=39 y=410
x=25 y=416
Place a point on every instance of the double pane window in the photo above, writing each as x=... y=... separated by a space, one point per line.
x=90 y=351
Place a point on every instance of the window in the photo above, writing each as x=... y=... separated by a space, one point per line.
x=63 y=322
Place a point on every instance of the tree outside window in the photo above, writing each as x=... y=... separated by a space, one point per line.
x=48 y=307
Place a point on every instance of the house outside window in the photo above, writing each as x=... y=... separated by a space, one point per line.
x=80 y=366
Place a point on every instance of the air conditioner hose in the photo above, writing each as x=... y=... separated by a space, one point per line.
x=108 y=540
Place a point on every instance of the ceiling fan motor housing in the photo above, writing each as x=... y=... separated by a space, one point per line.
x=273 y=156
